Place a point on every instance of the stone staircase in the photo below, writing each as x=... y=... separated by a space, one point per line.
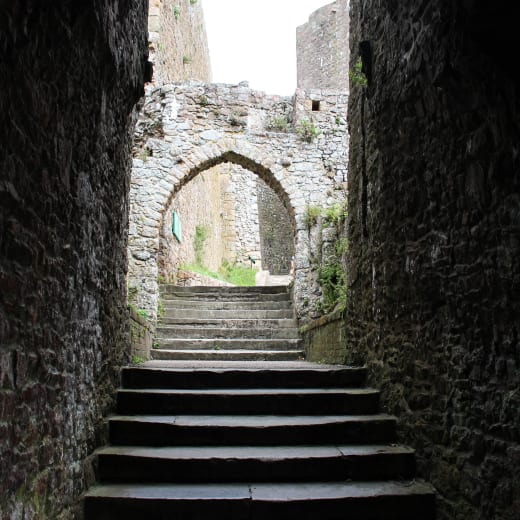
x=224 y=437
x=227 y=323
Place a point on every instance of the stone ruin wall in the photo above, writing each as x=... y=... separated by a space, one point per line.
x=276 y=234
x=434 y=197
x=199 y=203
x=70 y=75
x=183 y=128
x=177 y=41
x=322 y=50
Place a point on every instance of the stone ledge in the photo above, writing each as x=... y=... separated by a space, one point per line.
x=141 y=335
x=324 y=339
x=321 y=321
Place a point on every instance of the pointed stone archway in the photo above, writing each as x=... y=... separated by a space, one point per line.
x=187 y=129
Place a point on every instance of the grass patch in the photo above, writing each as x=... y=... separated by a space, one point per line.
x=231 y=273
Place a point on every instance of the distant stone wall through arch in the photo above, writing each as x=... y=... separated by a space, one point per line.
x=186 y=129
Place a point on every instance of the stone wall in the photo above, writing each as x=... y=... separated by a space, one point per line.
x=321 y=48
x=185 y=129
x=178 y=41
x=70 y=75
x=434 y=270
x=324 y=339
x=276 y=234
x=199 y=203
x=247 y=231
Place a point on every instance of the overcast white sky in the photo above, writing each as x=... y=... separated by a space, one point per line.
x=255 y=41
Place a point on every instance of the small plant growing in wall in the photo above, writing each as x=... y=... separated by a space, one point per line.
x=203 y=100
x=193 y=2
x=186 y=60
x=311 y=215
x=307 y=130
x=176 y=12
x=278 y=124
x=357 y=76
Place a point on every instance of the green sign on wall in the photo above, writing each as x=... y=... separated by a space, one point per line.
x=176 y=226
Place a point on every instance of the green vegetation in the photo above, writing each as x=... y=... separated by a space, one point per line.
x=203 y=100
x=237 y=274
x=138 y=360
x=278 y=123
x=331 y=273
x=307 y=130
x=142 y=313
x=193 y=2
x=176 y=11
x=331 y=216
x=231 y=273
x=186 y=60
x=357 y=76
x=201 y=234
x=311 y=215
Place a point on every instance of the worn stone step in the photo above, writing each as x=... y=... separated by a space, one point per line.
x=262 y=377
x=388 y=500
x=206 y=289
x=261 y=430
x=228 y=344
x=272 y=401
x=223 y=314
x=165 y=332
x=225 y=305
x=231 y=322
x=258 y=463
x=222 y=354
x=229 y=297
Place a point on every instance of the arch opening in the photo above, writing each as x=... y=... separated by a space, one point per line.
x=233 y=213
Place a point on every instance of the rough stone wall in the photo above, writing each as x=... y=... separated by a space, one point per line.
x=189 y=128
x=247 y=231
x=199 y=203
x=434 y=228
x=70 y=74
x=275 y=230
x=178 y=41
x=321 y=50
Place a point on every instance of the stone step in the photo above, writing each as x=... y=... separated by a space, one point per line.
x=388 y=500
x=237 y=354
x=223 y=314
x=228 y=344
x=262 y=377
x=231 y=322
x=261 y=430
x=255 y=289
x=169 y=305
x=272 y=401
x=238 y=297
x=165 y=332
x=207 y=464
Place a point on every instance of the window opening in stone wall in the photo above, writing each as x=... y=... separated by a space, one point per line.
x=315 y=105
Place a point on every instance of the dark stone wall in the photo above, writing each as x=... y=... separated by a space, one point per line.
x=434 y=267
x=70 y=74
x=276 y=231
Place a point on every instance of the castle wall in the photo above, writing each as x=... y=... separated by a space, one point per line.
x=434 y=264
x=70 y=75
x=177 y=40
x=186 y=129
x=322 y=51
